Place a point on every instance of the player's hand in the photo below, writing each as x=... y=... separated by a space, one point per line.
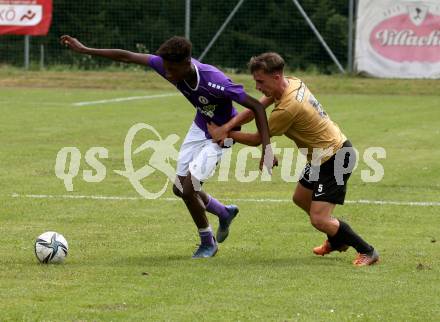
x=218 y=133
x=73 y=44
x=268 y=159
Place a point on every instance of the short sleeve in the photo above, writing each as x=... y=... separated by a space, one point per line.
x=156 y=63
x=234 y=91
x=280 y=121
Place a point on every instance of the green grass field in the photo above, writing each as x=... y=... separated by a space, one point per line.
x=130 y=259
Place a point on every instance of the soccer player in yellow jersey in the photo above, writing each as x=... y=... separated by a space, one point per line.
x=331 y=158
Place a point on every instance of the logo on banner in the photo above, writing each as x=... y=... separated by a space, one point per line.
x=417 y=14
x=410 y=34
x=20 y=15
x=25 y=17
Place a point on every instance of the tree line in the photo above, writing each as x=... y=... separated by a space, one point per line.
x=139 y=25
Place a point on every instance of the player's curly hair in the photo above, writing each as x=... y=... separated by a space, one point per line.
x=176 y=49
x=268 y=62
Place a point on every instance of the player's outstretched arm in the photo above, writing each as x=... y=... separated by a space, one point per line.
x=267 y=156
x=113 y=54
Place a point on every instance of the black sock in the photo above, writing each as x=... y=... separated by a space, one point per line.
x=347 y=236
x=335 y=242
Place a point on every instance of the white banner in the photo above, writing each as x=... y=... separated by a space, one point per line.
x=20 y=15
x=398 y=38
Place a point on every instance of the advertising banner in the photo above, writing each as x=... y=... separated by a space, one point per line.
x=25 y=17
x=398 y=38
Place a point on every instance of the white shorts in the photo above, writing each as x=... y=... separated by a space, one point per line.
x=198 y=155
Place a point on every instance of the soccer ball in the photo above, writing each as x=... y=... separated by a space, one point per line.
x=51 y=247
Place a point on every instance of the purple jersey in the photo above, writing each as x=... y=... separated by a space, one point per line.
x=212 y=96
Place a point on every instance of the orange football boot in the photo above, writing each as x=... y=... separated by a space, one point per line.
x=326 y=248
x=365 y=259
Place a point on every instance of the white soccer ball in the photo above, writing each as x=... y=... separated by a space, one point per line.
x=51 y=247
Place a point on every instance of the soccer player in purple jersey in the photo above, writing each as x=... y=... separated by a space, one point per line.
x=211 y=92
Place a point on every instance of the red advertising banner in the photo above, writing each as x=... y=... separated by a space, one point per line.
x=398 y=38
x=25 y=17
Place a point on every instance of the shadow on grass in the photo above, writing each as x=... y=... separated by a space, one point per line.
x=234 y=262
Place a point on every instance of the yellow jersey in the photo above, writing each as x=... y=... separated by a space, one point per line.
x=299 y=116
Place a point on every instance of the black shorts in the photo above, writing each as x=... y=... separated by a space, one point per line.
x=329 y=181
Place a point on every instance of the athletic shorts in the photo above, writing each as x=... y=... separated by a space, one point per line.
x=198 y=155
x=329 y=180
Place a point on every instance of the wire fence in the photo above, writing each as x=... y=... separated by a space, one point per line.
x=250 y=27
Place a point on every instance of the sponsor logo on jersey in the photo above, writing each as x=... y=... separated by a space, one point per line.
x=207 y=110
x=203 y=100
